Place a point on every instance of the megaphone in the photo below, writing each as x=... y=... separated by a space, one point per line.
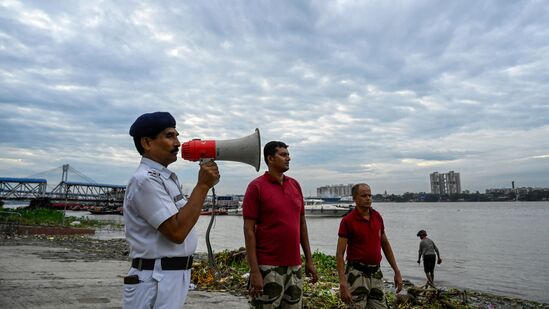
x=246 y=150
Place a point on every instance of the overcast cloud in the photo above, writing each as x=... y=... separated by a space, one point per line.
x=362 y=91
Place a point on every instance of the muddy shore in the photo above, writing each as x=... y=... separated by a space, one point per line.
x=86 y=249
x=53 y=272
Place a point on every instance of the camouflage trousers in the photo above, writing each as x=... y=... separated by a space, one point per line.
x=366 y=289
x=282 y=288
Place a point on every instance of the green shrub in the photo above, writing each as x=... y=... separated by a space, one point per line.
x=49 y=217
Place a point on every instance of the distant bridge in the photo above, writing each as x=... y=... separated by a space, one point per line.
x=35 y=189
x=86 y=192
x=22 y=188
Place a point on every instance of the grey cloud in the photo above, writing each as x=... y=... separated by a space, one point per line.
x=347 y=84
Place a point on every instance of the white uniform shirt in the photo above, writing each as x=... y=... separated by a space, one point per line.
x=152 y=196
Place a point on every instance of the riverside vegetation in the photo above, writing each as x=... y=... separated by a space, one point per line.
x=49 y=217
x=232 y=274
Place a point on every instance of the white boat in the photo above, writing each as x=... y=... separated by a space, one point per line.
x=313 y=208
x=235 y=211
x=317 y=208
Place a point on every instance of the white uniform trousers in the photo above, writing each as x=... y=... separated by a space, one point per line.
x=157 y=288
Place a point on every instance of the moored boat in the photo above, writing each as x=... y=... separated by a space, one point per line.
x=317 y=208
x=69 y=206
x=313 y=208
x=98 y=210
x=215 y=212
x=235 y=211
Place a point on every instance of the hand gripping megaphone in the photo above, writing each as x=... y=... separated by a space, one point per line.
x=245 y=150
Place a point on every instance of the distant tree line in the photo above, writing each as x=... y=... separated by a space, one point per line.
x=534 y=195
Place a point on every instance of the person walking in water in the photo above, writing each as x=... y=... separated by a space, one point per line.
x=430 y=253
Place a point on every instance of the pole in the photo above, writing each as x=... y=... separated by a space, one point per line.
x=64 y=178
x=66 y=201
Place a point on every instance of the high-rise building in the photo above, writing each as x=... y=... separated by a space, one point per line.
x=445 y=183
x=334 y=190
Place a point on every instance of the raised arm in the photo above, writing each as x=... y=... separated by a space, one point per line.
x=177 y=227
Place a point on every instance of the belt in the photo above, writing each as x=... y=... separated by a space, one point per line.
x=364 y=268
x=173 y=263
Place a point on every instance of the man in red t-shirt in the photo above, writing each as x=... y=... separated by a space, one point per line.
x=274 y=229
x=362 y=236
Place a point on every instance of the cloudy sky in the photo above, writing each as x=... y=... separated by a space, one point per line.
x=362 y=91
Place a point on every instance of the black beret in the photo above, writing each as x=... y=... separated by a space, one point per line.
x=151 y=124
x=421 y=233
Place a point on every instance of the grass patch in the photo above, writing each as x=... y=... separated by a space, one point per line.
x=233 y=277
x=48 y=217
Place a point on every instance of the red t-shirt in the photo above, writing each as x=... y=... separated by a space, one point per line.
x=277 y=210
x=363 y=236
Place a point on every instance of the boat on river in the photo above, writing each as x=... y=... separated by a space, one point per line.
x=318 y=208
x=218 y=212
x=100 y=210
x=313 y=208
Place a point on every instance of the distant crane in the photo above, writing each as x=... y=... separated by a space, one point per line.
x=515 y=190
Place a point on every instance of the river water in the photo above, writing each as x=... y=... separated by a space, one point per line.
x=496 y=247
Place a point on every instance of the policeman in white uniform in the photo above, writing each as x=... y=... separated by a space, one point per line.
x=159 y=220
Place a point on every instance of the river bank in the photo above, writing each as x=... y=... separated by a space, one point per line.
x=90 y=250
x=59 y=271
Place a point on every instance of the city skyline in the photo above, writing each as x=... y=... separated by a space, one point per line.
x=344 y=191
x=361 y=91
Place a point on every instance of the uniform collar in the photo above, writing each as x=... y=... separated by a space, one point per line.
x=164 y=171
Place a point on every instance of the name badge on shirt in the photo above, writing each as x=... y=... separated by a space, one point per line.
x=178 y=198
x=153 y=173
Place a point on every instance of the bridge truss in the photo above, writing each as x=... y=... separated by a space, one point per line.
x=108 y=195
x=86 y=192
x=22 y=188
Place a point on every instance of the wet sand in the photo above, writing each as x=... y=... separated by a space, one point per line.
x=50 y=273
